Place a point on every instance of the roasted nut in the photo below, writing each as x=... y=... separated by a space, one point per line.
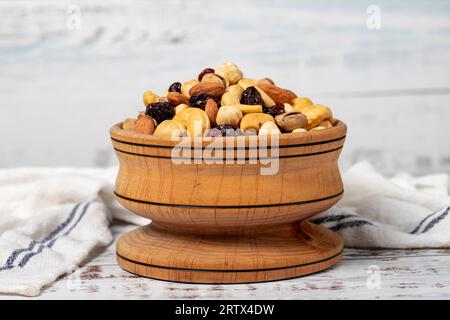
x=299 y=130
x=317 y=128
x=211 y=110
x=288 y=108
x=269 y=128
x=300 y=104
x=255 y=121
x=250 y=108
x=129 y=124
x=229 y=115
x=325 y=124
x=290 y=121
x=180 y=107
x=149 y=97
x=317 y=114
x=215 y=78
x=187 y=85
x=212 y=89
x=267 y=80
x=204 y=71
x=230 y=72
x=232 y=95
x=195 y=120
x=170 y=129
x=246 y=82
x=279 y=95
x=176 y=98
x=144 y=125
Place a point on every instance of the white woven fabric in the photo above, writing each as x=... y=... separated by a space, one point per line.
x=50 y=220
x=398 y=212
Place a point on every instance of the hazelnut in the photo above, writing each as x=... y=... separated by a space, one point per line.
x=170 y=129
x=214 y=78
x=230 y=72
x=269 y=128
x=291 y=120
x=229 y=115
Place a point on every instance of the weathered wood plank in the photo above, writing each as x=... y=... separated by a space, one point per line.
x=415 y=274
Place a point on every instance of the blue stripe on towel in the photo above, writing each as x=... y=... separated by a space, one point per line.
x=350 y=224
x=50 y=236
x=436 y=220
x=27 y=258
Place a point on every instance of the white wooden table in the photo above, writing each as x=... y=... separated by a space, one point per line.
x=403 y=274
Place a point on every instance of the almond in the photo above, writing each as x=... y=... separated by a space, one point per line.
x=144 y=125
x=210 y=88
x=211 y=110
x=176 y=98
x=279 y=95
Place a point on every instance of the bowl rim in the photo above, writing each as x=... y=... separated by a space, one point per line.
x=336 y=133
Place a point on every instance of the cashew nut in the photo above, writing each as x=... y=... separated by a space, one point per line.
x=255 y=121
x=195 y=120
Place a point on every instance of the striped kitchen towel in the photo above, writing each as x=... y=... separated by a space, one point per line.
x=397 y=212
x=50 y=221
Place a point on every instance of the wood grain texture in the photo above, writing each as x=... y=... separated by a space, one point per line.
x=282 y=253
x=224 y=222
x=404 y=274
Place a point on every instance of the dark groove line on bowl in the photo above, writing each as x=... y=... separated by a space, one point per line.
x=162 y=204
x=228 y=159
x=237 y=148
x=230 y=271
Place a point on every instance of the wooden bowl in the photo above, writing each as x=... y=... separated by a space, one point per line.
x=216 y=218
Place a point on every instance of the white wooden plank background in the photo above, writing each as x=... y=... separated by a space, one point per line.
x=404 y=274
x=61 y=89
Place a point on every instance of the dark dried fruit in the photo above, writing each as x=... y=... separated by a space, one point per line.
x=205 y=71
x=199 y=101
x=275 y=110
x=226 y=130
x=175 y=87
x=160 y=111
x=251 y=96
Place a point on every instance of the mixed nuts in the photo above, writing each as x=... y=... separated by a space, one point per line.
x=221 y=102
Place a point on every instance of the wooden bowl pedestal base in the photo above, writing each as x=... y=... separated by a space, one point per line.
x=284 y=252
